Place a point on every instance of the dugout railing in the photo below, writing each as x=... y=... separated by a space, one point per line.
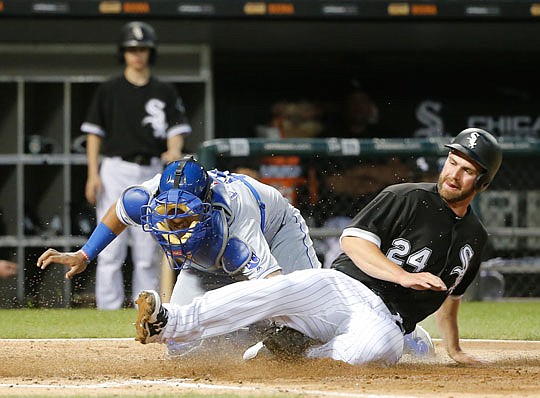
x=330 y=179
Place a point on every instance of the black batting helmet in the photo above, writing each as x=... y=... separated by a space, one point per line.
x=138 y=34
x=481 y=147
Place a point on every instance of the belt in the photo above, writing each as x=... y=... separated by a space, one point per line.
x=141 y=160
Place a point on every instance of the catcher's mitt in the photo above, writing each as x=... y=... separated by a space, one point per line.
x=287 y=343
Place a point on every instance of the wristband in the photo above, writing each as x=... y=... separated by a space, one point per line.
x=85 y=256
x=99 y=240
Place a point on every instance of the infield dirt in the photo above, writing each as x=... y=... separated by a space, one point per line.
x=128 y=368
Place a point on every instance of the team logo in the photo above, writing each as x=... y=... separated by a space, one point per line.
x=155 y=110
x=254 y=262
x=465 y=255
x=428 y=114
x=473 y=139
x=138 y=32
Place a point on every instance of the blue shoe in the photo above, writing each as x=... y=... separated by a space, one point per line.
x=418 y=343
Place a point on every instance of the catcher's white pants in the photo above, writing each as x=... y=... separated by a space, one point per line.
x=116 y=175
x=352 y=322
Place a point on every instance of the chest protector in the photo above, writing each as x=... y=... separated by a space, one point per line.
x=220 y=252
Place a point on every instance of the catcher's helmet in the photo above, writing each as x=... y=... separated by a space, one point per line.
x=186 y=174
x=138 y=34
x=481 y=147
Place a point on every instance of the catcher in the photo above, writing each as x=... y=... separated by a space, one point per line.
x=239 y=229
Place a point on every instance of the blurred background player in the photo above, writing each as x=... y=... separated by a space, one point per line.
x=135 y=122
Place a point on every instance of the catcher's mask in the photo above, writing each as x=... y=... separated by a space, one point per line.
x=179 y=221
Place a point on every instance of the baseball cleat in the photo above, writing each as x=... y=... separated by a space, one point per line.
x=151 y=318
x=419 y=343
x=253 y=351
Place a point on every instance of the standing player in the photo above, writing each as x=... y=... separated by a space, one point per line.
x=410 y=252
x=134 y=122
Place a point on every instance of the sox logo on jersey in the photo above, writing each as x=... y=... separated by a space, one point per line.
x=156 y=117
x=465 y=255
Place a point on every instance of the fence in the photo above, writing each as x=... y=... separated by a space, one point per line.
x=330 y=180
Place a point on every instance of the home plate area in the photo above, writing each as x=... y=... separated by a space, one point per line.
x=124 y=367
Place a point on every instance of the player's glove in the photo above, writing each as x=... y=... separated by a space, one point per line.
x=287 y=343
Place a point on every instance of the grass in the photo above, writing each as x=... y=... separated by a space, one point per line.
x=487 y=320
x=66 y=323
x=512 y=320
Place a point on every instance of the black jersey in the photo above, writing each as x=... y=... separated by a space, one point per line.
x=135 y=120
x=415 y=228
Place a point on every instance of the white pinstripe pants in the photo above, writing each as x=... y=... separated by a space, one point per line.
x=352 y=322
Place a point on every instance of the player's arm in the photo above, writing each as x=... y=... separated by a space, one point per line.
x=178 y=126
x=175 y=145
x=447 y=321
x=126 y=211
x=105 y=232
x=367 y=256
x=93 y=182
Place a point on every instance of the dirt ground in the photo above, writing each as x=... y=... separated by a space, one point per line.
x=124 y=367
